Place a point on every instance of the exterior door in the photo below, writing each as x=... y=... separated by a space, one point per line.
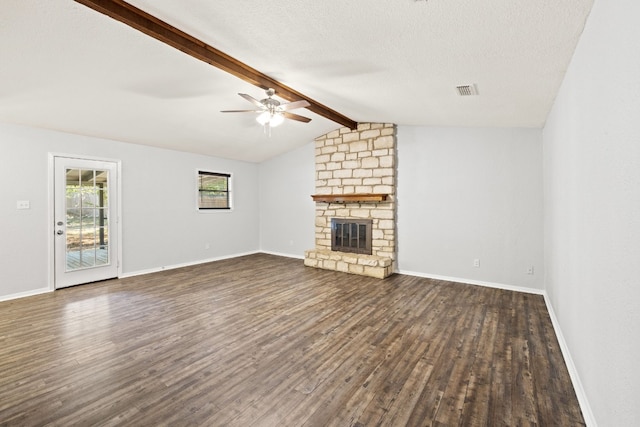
x=86 y=248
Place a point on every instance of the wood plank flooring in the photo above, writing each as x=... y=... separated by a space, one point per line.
x=264 y=341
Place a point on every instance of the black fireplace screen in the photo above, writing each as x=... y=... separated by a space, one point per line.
x=351 y=235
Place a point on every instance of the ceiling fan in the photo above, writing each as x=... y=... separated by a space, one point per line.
x=272 y=112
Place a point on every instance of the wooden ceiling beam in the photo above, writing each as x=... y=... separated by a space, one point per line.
x=160 y=30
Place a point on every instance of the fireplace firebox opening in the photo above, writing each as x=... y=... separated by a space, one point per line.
x=351 y=235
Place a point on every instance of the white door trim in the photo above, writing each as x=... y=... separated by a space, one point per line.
x=51 y=210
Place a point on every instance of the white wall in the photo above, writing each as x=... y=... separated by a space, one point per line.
x=287 y=213
x=161 y=225
x=592 y=211
x=462 y=194
x=466 y=194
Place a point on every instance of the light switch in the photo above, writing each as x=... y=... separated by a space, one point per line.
x=23 y=204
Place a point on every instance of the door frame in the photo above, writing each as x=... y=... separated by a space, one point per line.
x=51 y=210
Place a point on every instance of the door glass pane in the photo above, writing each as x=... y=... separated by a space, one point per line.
x=88 y=217
x=88 y=248
x=102 y=246
x=86 y=207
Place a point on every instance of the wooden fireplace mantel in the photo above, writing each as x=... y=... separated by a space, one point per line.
x=350 y=198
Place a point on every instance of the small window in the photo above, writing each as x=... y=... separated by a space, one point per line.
x=214 y=190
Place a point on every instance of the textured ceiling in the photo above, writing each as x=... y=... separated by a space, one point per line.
x=64 y=66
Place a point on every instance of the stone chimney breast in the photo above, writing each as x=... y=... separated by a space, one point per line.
x=356 y=179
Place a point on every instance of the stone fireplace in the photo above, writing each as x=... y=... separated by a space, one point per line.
x=356 y=180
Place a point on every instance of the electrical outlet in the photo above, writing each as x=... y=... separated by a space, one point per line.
x=476 y=262
x=530 y=270
x=207 y=246
x=23 y=204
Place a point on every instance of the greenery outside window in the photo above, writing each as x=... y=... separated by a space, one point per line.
x=214 y=190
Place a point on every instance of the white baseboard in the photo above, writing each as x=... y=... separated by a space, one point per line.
x=283 y=254
x=474 y=282
x=587 y=413
x=186 y=264
x=25 y=294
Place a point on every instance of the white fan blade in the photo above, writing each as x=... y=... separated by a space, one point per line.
x=241 y=111
x=293 y=105
x=252 y=100
x=296 y=117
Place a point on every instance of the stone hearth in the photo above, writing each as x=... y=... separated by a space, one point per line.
x=357 y=164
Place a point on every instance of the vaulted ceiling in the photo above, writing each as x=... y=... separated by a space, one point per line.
x=66 y=67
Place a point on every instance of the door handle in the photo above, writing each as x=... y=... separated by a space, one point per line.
x=59 y=232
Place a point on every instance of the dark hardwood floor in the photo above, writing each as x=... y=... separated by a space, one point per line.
x=264 y=341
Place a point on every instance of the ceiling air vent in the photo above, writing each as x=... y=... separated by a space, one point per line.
x=467 y=90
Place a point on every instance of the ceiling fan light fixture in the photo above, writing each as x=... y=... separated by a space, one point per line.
x=264 y=118
x=271 y=119
x=276 y=119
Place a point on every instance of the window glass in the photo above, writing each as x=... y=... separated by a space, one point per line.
x=214 y=190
